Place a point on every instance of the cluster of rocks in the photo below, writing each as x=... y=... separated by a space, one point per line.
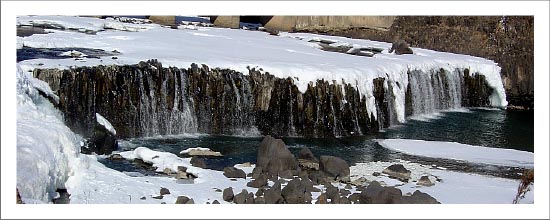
x=306 y=174
x=102 y=141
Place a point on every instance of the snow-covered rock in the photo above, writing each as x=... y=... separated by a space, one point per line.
x=200 y=151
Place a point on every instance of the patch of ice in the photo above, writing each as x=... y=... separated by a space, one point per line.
x=464 y=152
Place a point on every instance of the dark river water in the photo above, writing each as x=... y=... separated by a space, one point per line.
x=484 y=127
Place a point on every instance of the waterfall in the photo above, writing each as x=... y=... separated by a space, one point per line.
x=434 y=91
x=149 y=100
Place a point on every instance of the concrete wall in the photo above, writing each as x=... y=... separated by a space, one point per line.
x=287 y=23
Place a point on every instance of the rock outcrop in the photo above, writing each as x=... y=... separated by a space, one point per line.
x=274 y=157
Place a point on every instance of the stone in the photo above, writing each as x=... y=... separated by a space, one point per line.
x=215 y=202
x=335 y=167
x=102 y=140
x=332 y=192
x=182 y=169
x=249 y=198
x=241 y=197
x=273 y=194
x=258 y=182
x=167 y=171
x=388 y=195
x=18 y=201
x=198 y=162
x=322 y=199
x=306 y=154
x=348 y=186
x=344 y=192
x=400 y=47
x=354 y=198
x=424 y=181
x=259 y=200
x=158 y=197
x=308 y=164
x=317 y=177
x=217 y=190
x=293 y=192
x=286 y=174
x=419 y=198
x=181 y=175
x=376 y=174
x=398 y=171
x=228 y=194
x=143 y=198
x=359 y=182
x=256 y=172
x=260 y=191
x=116 y=157
x=200 y=152
x=344 y=200
x=164 y=191
x=274 y=156
x=232 y=172
x=372 y=190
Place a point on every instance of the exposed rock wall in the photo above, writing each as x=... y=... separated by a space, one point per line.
x=147 y=99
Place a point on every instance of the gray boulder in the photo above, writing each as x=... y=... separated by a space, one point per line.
x=184 y=200
x=273 y=194
x=102 y=141
x=306 y=154
x=258 y=182
x=322 y=199
x=164 y=191
x=293 y=193
x=227 y=194
x=274 y=156
x=424 y=181
x=400 y=47
x=335 y=167
x=232 y=172
x=241 y=197
x=419 y=198
x=198 y=162
x=398 y=171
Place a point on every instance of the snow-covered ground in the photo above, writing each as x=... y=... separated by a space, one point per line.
x=464 y=152
x=454 y=187
x=287 y=55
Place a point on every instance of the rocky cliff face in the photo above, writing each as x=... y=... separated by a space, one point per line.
x=508 y=40
x=147 y=99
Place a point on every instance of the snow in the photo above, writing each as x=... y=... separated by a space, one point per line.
x=200 y=151
x=287 y=55
x=46 y=148
x=464 y=152
x=102 y=121
x=195 y=148
x=82 y=24
x=97 y=184
x=455 y=187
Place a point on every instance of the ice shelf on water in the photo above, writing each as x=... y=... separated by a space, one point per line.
x=464 y=152
x=287 y=55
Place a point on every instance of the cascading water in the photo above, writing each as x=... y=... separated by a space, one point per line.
x=149 y=100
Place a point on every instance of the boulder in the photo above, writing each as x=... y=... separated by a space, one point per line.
x=344 y=200
x=400 y=47
x=258 y=182
x=232 y=172
x=168 y=171
x=335 y=167
x=215 y=202
x=377 y=194
x=344 y=192
x=424 y=181
x=184 y=200
x=306 y=154
x=294 y=192
x=18 y=201
x=321 y=199
x=308 y=164
x=419 y=198
x=259 y=200
x=164 y=191
x=332 y=192
x=260 y=191
x=158 y=197
x=200 y=152
x=286 y=174
x=103 y=140
x=228 y=194
x=198 y=162
x=241 y=197
x=274 y=156
x=116 y=157
x=317 y=177
x=355 y=198
x=359 y=182
x=249 y=198
x=273 y=194
x=398 y=171
x=256 y=172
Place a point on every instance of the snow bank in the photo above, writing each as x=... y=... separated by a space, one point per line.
x=97 y=184
x=102 y=121
x=454 y=187
x=200 y=151
x=457 y=151
x=288 y=55
x=46 y=148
